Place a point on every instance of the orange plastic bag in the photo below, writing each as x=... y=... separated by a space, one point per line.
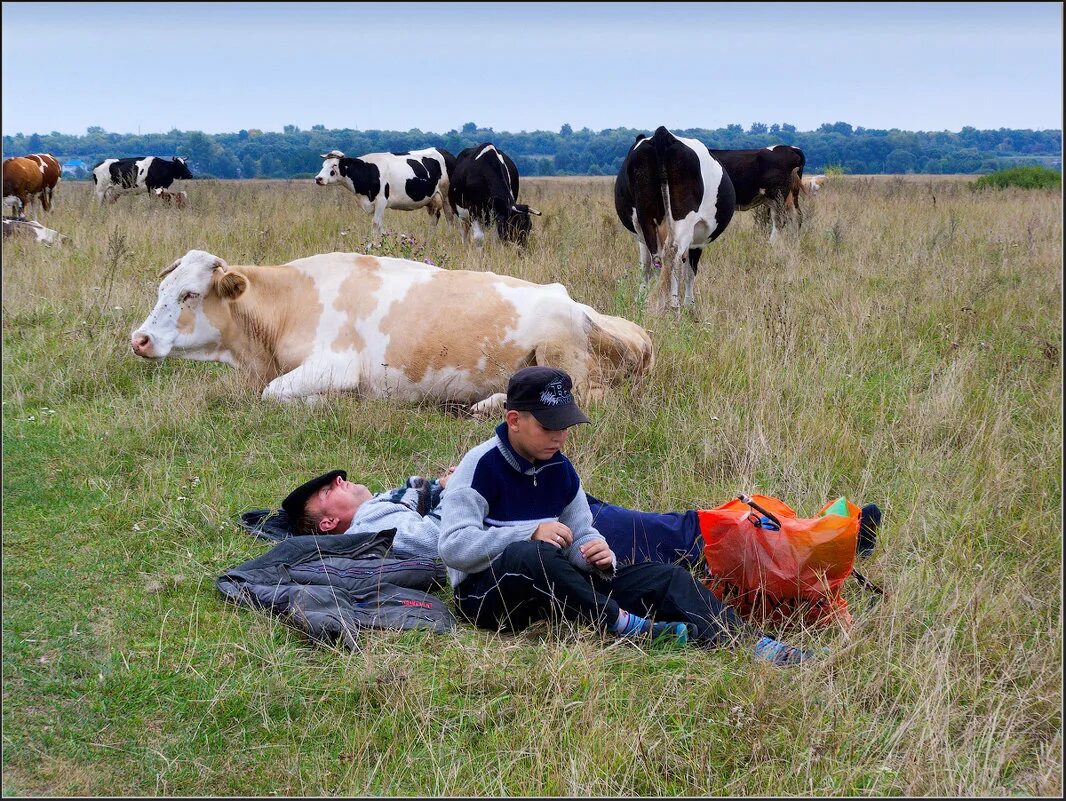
x=772 y=576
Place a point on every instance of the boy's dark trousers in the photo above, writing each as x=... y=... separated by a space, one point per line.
x=533 y=581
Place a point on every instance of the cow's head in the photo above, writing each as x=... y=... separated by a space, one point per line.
x=331 y=168
x=192 y=309
x=182 y=168
x=516 y=224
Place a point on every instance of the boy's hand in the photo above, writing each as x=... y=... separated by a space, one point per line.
x=598 y=554
x=558 y=534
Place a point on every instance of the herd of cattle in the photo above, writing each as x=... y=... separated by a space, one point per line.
x=406 y=330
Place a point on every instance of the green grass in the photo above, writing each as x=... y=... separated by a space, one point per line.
x=1029 y=177
x=904 y=349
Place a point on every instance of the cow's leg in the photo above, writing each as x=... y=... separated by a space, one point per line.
x=669 y=275
x=479 y=235
x=489 y=407
x=464 y=226
x=315 y=377
x=693 y=262
x=378 y=224
x=449 y=212
x=433 y=209
x=776 y=221
x=647 y=267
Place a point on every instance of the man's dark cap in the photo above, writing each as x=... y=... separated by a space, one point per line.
x=544 y=392
x=297 y=499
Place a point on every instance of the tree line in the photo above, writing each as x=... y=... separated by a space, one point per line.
x=294 y=153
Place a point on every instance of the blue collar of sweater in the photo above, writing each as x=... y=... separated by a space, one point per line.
x=516 y=460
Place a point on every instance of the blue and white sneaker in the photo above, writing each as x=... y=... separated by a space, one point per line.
x=670 y=633
x=780 y=654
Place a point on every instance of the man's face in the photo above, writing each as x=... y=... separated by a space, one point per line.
x=531 y=439
x=337 y=502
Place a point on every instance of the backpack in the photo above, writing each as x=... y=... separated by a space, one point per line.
x=774 y=567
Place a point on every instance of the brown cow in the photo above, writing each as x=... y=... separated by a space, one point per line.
x=52 y=173
x=23 y=181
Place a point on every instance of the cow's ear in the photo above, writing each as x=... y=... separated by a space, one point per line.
x=230 y=284
x=170 y=269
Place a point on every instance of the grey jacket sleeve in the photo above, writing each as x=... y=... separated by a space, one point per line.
x=578 y=517
x=467 y=543
x=416 y=536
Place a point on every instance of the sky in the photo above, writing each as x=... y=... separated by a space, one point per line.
x=221 y=67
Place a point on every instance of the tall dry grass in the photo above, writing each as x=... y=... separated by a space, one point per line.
x=904 y=348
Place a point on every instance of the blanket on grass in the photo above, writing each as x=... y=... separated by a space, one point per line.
x=331 y=587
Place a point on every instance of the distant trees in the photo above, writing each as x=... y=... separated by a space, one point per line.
x=270 y=154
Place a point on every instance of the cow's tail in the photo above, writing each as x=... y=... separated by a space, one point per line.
x=620 y=348
x=659 y=140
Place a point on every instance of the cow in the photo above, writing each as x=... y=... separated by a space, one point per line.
x=116 y=177
x=52 y=172
x=768 y=179
x=384 y=327
x=406 y=181
x=675 y=199
x=23 y=183
x=484 y=191
x=179 y=198
x=33 y=231
x=812 y=185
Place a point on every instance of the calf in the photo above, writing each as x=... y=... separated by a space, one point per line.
x=675 y=199
x=51 y=171
x=116 y=177
x=23 y=182
x=386 y=328
x=484 y=191
x=178 y=198
x=33 y=231
x=405 y=181
x=768 y=176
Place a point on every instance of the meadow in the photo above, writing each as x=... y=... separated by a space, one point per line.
x=904 y=348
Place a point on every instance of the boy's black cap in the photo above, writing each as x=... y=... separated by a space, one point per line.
x=296 y=500
x=544 y=392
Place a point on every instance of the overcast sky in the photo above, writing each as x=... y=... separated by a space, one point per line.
x=221 y=67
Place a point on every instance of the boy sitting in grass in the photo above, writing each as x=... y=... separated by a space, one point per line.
x=518 y=539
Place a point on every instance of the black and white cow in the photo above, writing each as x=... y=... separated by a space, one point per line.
x=484 y=191
x=675 y=199
x=116 y=177
x=768 y=179
x=405 y=181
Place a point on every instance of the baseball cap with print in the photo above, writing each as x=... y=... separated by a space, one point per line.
x=546 y=393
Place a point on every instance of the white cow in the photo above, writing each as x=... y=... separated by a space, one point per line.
x=405 y=181
x=384 y=327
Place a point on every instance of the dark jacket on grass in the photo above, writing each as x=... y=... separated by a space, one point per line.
x=332 y=586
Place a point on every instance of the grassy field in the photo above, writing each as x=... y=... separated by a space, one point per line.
x=905 y=349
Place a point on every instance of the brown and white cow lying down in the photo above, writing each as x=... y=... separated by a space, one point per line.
x=384 y=327
x=31 y=230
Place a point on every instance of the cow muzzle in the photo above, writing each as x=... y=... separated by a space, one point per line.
x=141 y=344
x=319 y=181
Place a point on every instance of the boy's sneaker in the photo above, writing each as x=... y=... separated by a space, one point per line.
x=670 y=634
x=780 y=654
x=869 y=521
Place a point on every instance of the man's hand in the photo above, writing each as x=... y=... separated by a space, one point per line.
x=598 y=554
x=558 y=534
x=447 y=474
